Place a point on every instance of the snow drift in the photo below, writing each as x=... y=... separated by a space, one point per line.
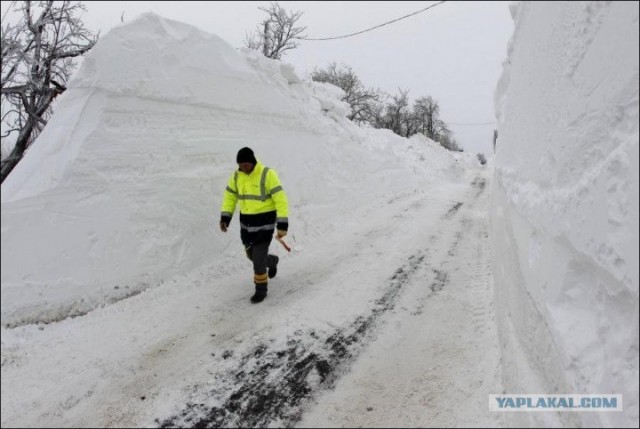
x=565 y=206
x=129 y=173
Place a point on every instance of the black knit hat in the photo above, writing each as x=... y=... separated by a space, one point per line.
x=246 y=155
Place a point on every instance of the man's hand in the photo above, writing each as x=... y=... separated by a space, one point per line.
x=281 y=233
x=223 y=226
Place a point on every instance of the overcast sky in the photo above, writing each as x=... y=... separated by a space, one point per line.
x=452 y=52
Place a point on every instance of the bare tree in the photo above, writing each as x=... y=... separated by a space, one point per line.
x=426 y=111
x=397 y=112
x=444 y=136
x=364 y=102
x=448 y=142
x=390 y=112
x=38 y=57
x=427 y=114
x=411 y=125
x=277 y=33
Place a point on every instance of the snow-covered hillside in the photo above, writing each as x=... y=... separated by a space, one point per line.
x=565 y=206
x=123 y=188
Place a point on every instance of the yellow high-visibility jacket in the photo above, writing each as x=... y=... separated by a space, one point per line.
x=263 y=202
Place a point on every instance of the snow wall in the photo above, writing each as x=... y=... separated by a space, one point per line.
x=565 y=207
x=122 y=190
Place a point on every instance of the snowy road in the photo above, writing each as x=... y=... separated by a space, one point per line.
x=388 y=321
x=434 y=358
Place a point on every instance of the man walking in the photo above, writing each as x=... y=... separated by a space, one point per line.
x=263 y=206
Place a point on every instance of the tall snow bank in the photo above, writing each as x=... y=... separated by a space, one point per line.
x=122 y=190
x=565 y=206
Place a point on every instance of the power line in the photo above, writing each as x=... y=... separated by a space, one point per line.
x=391 y=22
x=377 y=26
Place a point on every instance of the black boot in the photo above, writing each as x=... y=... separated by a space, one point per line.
x=261 y=293
x=274 y=269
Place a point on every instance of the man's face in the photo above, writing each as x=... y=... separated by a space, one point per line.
x=246 y=167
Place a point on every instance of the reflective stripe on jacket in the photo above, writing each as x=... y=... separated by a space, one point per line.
x=257 y=192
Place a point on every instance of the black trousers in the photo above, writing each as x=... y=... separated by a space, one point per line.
x=258 y=253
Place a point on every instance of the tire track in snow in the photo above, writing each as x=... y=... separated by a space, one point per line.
x=441 y=276
x=270 y=385
x=448 y=324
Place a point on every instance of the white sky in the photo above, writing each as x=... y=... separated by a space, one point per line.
x=453 y=52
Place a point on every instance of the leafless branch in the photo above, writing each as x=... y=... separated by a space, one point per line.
x=37 y=60
x=277 y=33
